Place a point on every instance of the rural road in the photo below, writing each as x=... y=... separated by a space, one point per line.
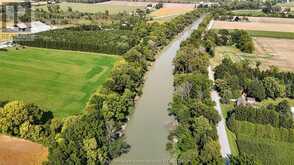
x=221 y=126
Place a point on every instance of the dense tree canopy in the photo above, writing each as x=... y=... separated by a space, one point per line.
x=235 y=78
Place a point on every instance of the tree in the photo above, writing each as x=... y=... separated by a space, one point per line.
x=86 y=141
x=201 y=125
x=211 y=153
x=283 y=107
x=190 y=60
x=244 y=159
x=17 y=118
x=256 y=90
x=274 y=88
x=159 y=5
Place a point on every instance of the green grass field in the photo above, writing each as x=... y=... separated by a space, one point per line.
x=286 y=35
x=60 y=81
x=268 y=144
x=248 y=12
x=95 y=8
x=267 y=151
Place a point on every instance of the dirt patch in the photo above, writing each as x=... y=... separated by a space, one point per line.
x=276 y=52
x=171 y=9
x=259 y=24
x=15 y=151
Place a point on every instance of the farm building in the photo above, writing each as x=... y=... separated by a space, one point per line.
x=244 y=100
x=33 y=27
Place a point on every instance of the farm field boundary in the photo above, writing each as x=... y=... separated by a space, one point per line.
x=271 y=34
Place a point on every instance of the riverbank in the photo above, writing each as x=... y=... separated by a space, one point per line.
x=147 y=130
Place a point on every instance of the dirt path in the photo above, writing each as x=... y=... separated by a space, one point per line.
x=221 y=126
x=15 y=151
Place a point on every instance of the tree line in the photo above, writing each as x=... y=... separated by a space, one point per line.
x=279 y=115
x=195 y=140
x=101 y=41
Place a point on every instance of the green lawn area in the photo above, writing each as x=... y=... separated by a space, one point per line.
x=60 y=81
x=231 y=52
x=248 y=12
x=269 y=34
x=95 y=8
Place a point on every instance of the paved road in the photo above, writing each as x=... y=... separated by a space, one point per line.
x=221 y=126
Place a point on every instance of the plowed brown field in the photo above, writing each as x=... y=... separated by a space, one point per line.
x=280 y=52
x=259 y=24
x=15 y=151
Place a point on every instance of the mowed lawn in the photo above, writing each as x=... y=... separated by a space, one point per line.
x=60 y=81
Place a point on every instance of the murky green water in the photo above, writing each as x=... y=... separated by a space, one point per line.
x=147 y=129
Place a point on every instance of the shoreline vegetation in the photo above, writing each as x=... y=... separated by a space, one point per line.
x=192 y=106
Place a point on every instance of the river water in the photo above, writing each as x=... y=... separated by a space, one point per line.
x=147 y=129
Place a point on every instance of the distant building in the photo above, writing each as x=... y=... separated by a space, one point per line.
x=33 y=27
x=236 y=19
x=206 y=4
x=244 y=100
x=22 y=27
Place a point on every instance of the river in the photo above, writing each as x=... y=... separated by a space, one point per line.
x=147 y=129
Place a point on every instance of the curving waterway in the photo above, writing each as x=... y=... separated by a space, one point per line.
x=147 y=129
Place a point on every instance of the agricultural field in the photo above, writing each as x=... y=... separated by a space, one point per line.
x=273 y=41
x=258 y=24
x=58 y=80
x=279 y=52
x=269 y=51
x=171 y=10
x=112 y=6
x=268 y=151
x=270 y=145
x=15 y=151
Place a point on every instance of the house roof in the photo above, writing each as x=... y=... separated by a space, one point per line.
x=21 y=25
x=38 y=26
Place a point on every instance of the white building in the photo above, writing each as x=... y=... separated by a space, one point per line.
x=33 y=27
